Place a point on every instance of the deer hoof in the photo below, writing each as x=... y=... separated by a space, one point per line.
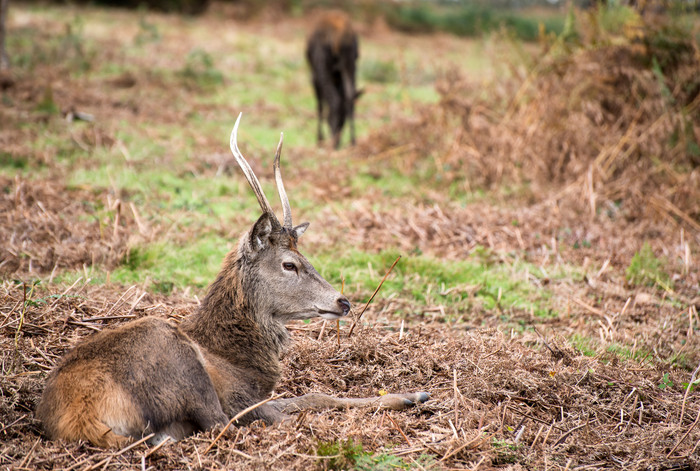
x=422 y=397
x=416 y=398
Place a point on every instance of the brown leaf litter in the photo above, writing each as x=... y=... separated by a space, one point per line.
x=495 y=400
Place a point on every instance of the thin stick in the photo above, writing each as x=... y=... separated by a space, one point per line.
x=456 y=394
x=238 y=416
x=545 y=342
x=133 y=306
x=323 y=330
x=158 y=447
x=58 y=298
x=463 y=446
x=13 y=423
x=566 y=435
x=121 y=452
x=549 y=430
x=539 y=432
x=687 y=390
x=373 y=294
x=685 y=435
x=589 y=307
x=400 y=431
x=26 y=459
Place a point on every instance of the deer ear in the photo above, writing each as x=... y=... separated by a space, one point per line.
x=301 y=228
x=260 y=234
x=359 y=93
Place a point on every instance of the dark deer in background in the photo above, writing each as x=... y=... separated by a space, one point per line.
x=332 y=51
x=149 y=376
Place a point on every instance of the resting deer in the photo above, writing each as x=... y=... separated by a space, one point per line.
x=150 y=376
x=332 y=51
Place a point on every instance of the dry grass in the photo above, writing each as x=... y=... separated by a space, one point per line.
x=48 y=227
x=597 y=131
x=585 y=139
x=495 y=400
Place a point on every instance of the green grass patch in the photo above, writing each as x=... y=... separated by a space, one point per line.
x=461 y=285
x=646 y=269
x=348 y=454
x=169 y=265
x=470 y=20
x=13 y=162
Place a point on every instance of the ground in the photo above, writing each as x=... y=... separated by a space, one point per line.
x=547 y=290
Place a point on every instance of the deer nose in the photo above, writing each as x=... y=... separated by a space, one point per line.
x=344 y=305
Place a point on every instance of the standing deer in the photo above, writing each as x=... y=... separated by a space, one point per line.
x=332 y=52
x=149 y=376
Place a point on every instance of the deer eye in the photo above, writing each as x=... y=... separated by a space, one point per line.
x=289 y=266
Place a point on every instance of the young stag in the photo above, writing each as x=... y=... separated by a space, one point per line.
x=150 y=376
x=332 y=51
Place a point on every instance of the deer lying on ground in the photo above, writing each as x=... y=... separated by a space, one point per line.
x=332 y=51
x=150 y=376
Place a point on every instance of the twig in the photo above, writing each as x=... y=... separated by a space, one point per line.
x=114 y=306
x=121 y=452
x=532 y=417
x=566 y=435
x=158 y=446
x=10 y=313
x=549 y=430
x=463 y=446
x=373 y=294
x=107 y=318
x=685 y=435
x=539 y=432
x=589 y=307
x=337 y=329
x=400 y=431
x=323 y=330
x=133 y=306
x=238 y=416
x=58 y=298
x=456 y=393
x=141 y=226
x=476 y=466
x=662 y=203
x=545 y=342
x=685 y=396
x=27 y=458
x=11 y=424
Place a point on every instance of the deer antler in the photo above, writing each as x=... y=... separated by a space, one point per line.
x=286 y=209
x=249 y=175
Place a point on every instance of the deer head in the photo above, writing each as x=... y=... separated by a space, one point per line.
x=281 y=281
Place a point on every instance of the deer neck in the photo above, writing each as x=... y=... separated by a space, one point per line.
x=228 y=326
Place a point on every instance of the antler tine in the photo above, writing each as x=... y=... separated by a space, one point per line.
x=286 y=209
x=249 y=175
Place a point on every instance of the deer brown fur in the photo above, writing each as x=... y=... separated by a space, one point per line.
x=150 y=376
x=332 y=51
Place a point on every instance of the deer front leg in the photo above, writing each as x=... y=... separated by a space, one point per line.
x=323 y=401
x=278 y=410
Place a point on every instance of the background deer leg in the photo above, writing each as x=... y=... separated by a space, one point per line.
x=351 y=118
x=319 y=104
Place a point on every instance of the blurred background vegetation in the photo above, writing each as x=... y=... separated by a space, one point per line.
x=525 y=19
